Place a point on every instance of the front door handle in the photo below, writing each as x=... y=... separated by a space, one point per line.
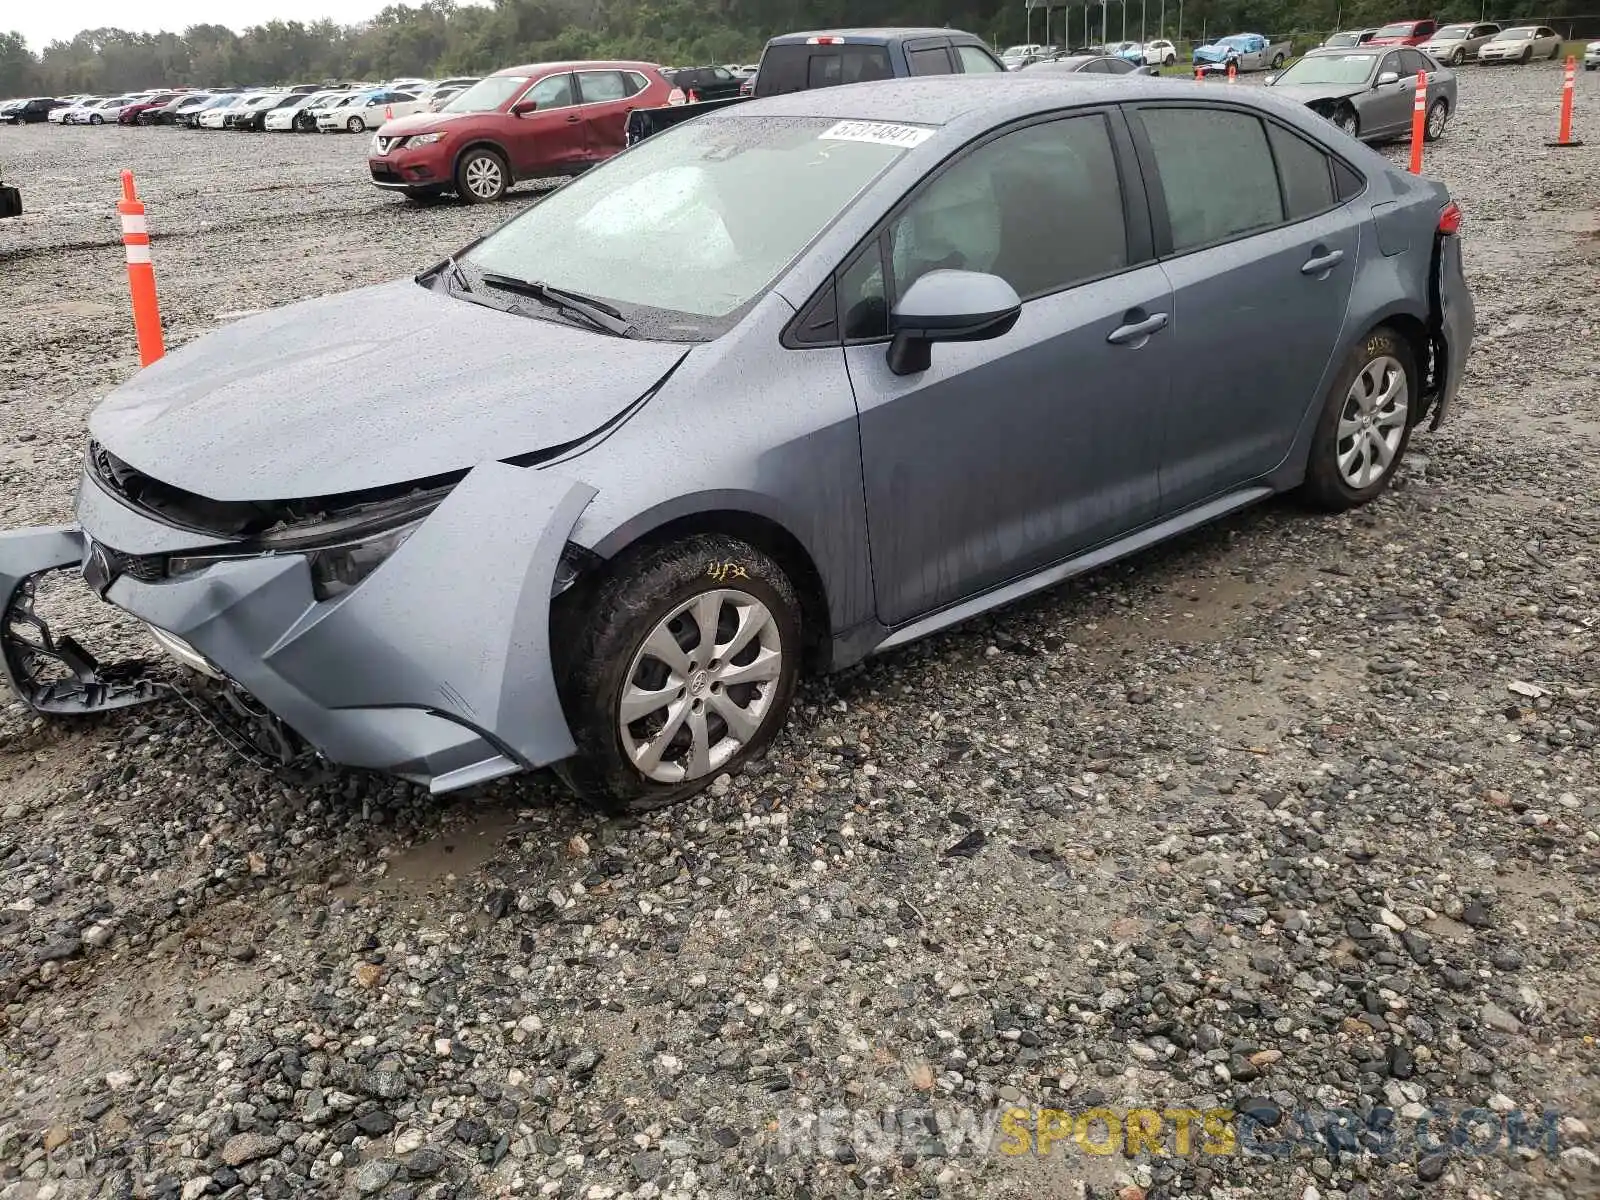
x=574 y=119
x=1137 y=333
x=1322 y=263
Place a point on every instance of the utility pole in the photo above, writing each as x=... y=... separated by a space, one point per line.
x=1143 y=33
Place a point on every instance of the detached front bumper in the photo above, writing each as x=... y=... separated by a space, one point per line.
x=1456 y=321
x=436 y=667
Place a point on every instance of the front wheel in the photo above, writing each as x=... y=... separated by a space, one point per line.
x=1527 y=56
x=1171 y=60
x=482 y=176
x=1458 y=58
x=1438 y=114
x=1277 y=62
x=1365 y=424
x=356 y=125
x=1346 y=122
x=677 y=667
x=97 y=119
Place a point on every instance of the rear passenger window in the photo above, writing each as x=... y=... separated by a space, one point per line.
x=1041 y=208
x=1412 y=63
x=931 y=60
x=975 y=61
x=597 y=87
x=1304 y=172
x=1216 y=173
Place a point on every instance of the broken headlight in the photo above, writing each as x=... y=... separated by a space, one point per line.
x=337 y=569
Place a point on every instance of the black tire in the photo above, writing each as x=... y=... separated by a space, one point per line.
x=1277 y=62
x=599 y=629
x=1170 y=61
x=1527 y=56
x=96 y=119
x=1459 y=57
x=465 y=169
x=356 y=125
x=1428 y=134
x=1348 y=120
x=1325 y=487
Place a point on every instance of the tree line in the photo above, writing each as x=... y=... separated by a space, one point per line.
x=438 y=37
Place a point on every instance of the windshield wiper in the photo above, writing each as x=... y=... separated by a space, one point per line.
x=597 y=312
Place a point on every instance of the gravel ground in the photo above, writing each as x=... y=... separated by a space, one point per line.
x=1294 y=817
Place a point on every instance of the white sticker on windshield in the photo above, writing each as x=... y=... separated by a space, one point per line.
x=880 y=132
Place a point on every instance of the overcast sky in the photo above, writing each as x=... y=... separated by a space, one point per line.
x=42 y=23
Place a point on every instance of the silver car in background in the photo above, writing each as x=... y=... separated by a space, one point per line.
x=1456 y=44
x=1521 y=44
x=799 y=381
x=1369 y=93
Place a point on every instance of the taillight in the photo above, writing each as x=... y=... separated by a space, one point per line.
x=676 y=96
x=824 y=41
x=1450 y=219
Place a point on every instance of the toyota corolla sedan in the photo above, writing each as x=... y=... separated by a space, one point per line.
x=794 y=383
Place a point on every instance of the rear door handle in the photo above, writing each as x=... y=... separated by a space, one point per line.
x=1323 y=263
x=1138 y=332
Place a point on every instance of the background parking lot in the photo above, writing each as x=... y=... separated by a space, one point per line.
x=1294 y=814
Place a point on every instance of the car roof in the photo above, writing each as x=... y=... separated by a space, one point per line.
x=979 y=101
x=878 y=35
x=578 y=65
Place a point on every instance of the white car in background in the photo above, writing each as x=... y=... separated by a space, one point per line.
x=1521 y=44
x=369 y=110
x=1160 y=53
x=58 y=116
x=95 y=112
x=301 y=115
x=1591 y=57
x=217 y=116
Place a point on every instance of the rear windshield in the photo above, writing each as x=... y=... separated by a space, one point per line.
x=689 y=226
x=797 y=68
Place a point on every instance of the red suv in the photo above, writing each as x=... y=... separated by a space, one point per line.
x=1404 y=33
x=527 y=122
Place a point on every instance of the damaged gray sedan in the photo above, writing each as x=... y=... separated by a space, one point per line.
x=784 y=386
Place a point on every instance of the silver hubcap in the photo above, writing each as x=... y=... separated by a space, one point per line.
x=483 y=177
x=1436 y=120
x=1347 y=124
x=1372 y=422
x=700 y=686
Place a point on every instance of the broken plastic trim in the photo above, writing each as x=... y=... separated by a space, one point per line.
x=30 y=648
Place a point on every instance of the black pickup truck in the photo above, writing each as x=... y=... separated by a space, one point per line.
x=798 y=62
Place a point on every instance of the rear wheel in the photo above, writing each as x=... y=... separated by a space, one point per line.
x=676 y=668
x=482 y=176
x=1438 y=115
x=1365 y=426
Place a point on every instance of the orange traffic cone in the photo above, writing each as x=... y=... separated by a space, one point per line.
x=1233 y=72
x=388 y=113
x=1199 y=74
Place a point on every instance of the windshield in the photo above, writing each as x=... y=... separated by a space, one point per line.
x=1330 y=68
x=1403 y=29
x=487 y=95
x=1514 y=35
x=690 y=226
x=1452 y=33
x=1344 y=39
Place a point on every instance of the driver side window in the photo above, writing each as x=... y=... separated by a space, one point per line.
x=552 y=92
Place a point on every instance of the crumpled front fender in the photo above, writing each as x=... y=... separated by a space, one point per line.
x=458 y=619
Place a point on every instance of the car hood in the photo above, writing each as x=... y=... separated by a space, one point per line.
x=366 y=389
x=1308 y=93
x=425 y=122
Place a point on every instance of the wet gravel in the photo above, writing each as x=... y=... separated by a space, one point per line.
x=1296 y=819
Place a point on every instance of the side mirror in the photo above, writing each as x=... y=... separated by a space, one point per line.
x=523 y=107
x=1387 y=77
x=1153 y=71
x=949 y=306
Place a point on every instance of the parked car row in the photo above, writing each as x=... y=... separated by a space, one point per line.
x=1369 y=92
x=1461 y=42
x=352 y=107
